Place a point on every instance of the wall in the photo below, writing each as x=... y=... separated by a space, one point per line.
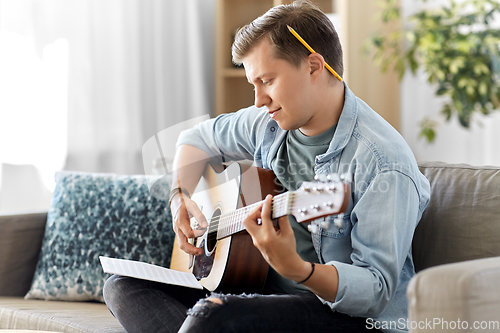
x=380 y=91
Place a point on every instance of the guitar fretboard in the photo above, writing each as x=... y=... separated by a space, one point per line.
x=231 y=223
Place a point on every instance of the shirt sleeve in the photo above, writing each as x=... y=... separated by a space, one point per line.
x=234 y=136
x=383 y=223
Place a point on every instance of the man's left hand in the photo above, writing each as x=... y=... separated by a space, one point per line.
x=277 y=245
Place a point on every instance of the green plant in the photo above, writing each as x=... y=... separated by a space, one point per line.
x=458 y=48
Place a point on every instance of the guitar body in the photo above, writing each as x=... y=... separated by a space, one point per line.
x=231 y=264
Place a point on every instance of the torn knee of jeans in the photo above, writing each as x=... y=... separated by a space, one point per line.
x=204 y=306
x=214 y=300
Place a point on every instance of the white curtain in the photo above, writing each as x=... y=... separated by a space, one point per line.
x=477 y=145
x=135 y=68
x=139 y=67
x=85 y=83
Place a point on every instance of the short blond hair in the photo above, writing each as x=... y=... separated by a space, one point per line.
x=305 y=18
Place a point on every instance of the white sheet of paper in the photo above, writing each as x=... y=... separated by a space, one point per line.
x=145 y=271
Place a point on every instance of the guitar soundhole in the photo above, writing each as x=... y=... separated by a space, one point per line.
x=212 y=236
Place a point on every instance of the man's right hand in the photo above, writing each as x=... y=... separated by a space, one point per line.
x=183 y=209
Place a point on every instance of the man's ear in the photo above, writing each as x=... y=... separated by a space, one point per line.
x=316 y=64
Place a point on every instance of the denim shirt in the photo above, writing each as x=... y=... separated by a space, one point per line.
x=372 y=249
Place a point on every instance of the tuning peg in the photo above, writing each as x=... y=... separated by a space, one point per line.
x=315 y=207
x=346 y=177
x=339 y=221
x=313 y=228
x=325 y=225
x=318 y=189
x=329 y=204
x=332 y=188
x=332 y=177
x=321 y=178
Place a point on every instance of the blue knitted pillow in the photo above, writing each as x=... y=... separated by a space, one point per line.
x=93 y=215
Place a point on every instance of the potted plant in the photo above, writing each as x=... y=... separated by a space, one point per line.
x=458 y=48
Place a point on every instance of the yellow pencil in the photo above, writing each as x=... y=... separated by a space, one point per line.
x=312 y=51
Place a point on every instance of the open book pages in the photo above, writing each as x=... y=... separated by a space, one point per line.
x=145 y=271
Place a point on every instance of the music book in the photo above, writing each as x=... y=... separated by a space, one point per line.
x=145 y=271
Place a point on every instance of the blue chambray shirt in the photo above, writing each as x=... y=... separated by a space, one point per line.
x=372 y=250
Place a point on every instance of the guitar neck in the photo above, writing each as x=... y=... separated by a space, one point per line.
x=231 y=223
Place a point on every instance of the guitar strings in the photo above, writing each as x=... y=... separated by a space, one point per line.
x=232 y=222
x=278 y=203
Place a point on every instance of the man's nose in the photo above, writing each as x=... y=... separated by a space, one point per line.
x=261 y=98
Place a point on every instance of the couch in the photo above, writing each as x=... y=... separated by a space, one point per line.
x=456 y=251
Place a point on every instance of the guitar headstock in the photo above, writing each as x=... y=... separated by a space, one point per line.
x=320 y=198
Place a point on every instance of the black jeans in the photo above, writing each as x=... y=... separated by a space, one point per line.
x=145 y=306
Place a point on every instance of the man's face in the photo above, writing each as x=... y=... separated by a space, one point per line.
x=279 y=86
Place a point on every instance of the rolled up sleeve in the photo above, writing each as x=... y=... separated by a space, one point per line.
x=234 y=135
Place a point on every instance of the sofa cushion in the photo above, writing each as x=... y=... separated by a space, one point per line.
x=75 y=317
x=93 y=215
x=466 y=292
x=20 y=240
x=462 y=220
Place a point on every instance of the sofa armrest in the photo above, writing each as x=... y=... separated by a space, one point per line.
x=20 y=242
x=447 y=297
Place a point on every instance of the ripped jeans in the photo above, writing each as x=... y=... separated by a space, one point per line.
x=145 y=306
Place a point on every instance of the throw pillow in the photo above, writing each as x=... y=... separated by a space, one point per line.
x=93 y=215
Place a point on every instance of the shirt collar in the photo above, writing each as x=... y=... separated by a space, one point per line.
x=345 y=126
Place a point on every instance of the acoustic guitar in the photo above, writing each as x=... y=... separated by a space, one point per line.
x=231 y=263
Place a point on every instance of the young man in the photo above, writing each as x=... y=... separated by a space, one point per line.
x=349 y=277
